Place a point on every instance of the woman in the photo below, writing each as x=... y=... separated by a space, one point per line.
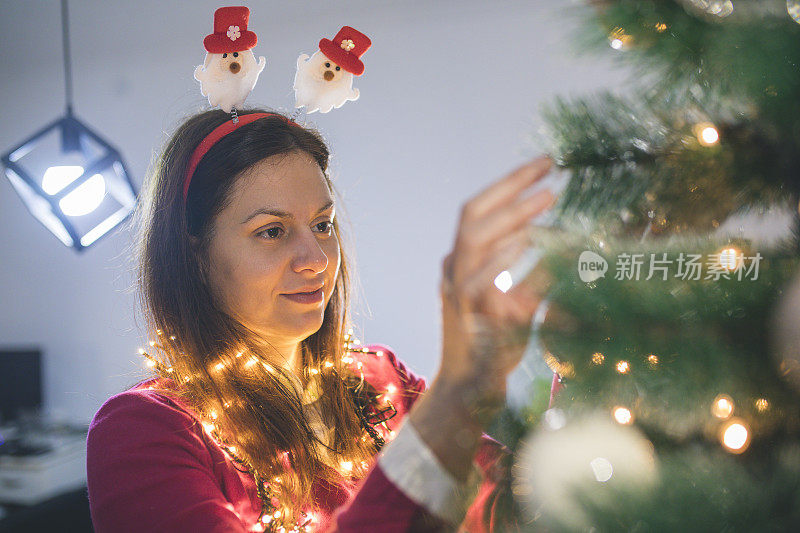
x=260 y=417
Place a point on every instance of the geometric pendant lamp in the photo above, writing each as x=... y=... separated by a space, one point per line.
x=74 y=182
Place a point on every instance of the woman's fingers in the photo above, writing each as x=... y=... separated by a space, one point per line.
x=479 y=286
x=506 y=316
x=495 y=213
x=480 y=321
x=474 y=249
x=472 y=252
x=506 y=189
x=502 y=222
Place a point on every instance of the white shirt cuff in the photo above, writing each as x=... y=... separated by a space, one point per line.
x=413 y=468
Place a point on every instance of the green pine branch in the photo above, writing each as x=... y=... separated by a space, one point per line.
x=639 y=159
x=709 y=337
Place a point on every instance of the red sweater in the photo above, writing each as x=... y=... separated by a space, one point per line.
x=151 y=467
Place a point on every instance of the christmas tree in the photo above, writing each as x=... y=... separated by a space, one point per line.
x=676 y=344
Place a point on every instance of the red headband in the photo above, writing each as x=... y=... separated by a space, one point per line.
x=216 y=134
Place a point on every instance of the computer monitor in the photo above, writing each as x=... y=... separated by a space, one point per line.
x=20 y=382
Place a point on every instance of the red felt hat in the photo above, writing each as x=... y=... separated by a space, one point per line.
x=230 y=31
x=346 y=48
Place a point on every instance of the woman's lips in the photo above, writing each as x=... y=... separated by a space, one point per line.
x=306 y=297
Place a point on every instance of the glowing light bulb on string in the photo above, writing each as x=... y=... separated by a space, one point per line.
x=706 y=133
x=618 y=39
x=735 y=435
x=623 y=415
x=762 y=405
x=390 y=390
x=730 y=258
x=722 y=407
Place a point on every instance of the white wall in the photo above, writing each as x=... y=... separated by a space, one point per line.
x=449 y=96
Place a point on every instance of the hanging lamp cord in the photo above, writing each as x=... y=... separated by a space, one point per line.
x=67 y=63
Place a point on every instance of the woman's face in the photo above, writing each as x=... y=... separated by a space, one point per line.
x=255 y=257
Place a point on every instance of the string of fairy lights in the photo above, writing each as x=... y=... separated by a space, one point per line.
x=706 y=133
x=373 y=413
x=733 y=432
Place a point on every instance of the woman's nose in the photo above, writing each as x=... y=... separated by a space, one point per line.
x=309 y=254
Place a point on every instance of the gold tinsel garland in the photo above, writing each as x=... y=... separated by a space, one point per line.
x=368 y=409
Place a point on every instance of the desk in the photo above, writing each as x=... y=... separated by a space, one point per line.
x=32 y=479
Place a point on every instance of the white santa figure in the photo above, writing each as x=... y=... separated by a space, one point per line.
x=325 y=80
x=230 y=71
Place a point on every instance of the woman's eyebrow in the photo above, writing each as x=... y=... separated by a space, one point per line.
x=279 y=213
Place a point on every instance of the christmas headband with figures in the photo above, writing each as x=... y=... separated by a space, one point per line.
x=229 y=73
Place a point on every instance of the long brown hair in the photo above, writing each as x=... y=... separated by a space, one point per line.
x=224 y=373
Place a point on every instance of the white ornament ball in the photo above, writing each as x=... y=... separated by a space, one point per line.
x=593 y=454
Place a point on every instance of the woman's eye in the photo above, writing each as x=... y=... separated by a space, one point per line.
x=274 y=232
x=328 y=227
x=236 y=54
x=327 y=65
x=271 y=236
x=338 y=68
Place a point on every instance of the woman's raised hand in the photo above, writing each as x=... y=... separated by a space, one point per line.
x=479 y=346
x=484 y=328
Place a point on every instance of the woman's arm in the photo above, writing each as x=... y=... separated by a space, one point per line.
x=410 y=489
x=149 y=470
x=484 y=329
